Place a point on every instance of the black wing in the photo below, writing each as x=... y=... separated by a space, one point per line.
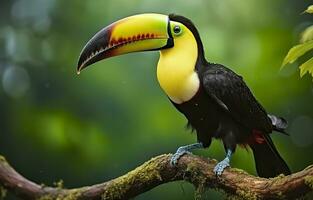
x=231 y=93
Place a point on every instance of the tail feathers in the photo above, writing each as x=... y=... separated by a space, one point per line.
x=268 y=162
x=279 y=123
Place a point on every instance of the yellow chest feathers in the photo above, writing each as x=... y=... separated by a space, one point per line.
x=176 y=69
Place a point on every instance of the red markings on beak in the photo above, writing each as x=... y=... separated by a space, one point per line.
x=113 y=42
x=130 y=39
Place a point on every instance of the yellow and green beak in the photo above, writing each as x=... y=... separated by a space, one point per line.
x=136 y=33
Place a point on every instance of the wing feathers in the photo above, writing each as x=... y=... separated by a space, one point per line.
x=232 y=94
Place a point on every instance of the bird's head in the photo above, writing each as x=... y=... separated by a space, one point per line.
x=143 y=32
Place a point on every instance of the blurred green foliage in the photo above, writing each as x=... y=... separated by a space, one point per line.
x=300 y=49
x=93 y=127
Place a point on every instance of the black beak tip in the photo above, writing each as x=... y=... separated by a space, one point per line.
x=78 y=72
x=82 y=61
x=80 y=66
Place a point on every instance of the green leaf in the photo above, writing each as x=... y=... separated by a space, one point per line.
x=306 y=67
x=297 y=51
x=307 y=34
x=311 y=70
x=309 y=10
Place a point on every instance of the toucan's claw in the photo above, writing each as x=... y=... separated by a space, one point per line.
x=184 y=150
x=179 y=153
x=219 y=168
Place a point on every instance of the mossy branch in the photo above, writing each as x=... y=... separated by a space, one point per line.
x=157 y=171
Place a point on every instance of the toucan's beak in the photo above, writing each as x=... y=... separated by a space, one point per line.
x=132 y=34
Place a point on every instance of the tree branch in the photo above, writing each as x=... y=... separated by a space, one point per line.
x=157 y=171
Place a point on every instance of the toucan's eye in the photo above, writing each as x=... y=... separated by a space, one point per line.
x=177 y=30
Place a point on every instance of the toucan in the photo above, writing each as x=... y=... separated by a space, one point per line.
x=215 y=100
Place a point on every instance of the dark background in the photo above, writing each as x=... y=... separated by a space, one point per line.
x=91 y=128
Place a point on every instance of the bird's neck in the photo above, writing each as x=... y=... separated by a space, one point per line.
x=176 y=69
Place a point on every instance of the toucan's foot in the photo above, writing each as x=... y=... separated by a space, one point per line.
x=219 y=168
x=184 y=150
x=179 y=153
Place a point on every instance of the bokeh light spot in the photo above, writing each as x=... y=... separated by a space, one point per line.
x=15 y=81
x=302 y=131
